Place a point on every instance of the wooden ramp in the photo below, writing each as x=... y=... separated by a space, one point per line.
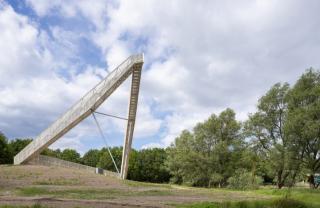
x=86 y=105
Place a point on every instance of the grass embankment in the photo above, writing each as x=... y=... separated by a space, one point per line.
x=55 y=186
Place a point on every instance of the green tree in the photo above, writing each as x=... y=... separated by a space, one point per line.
x=266 y=130
x=242 y=179
x=70 y=155
x=17 y=145
x=304 y=121
x=105 y=160
x=149 y=165
x=209 y=155
x=178 y=159
x=5 y=156
x=91 y=158
x=52 y=153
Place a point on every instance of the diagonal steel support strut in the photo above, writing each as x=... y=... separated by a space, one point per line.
x=113 y=116
x=105 y=141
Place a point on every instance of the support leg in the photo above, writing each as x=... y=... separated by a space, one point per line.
x=135 y=84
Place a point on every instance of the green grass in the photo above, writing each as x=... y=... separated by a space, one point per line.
x=153 y=193
x=279 y=203
x=283 y=198
x=146 y=184
x=311 y=196
x=69 y=193
x=89 y=193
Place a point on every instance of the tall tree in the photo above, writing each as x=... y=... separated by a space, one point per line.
x=304 y=120
x=266 y=129
x=179 y=160
x=209 y=156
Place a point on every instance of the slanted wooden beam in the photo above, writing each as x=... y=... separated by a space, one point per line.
x=83 y=108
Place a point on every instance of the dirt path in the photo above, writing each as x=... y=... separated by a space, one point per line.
x=53 y=202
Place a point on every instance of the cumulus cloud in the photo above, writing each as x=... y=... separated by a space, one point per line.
x=207 y=56
x=19 y=44
x=200 y=57
x=42 y=75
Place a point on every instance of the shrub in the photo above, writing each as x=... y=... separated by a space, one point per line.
x=243 y=180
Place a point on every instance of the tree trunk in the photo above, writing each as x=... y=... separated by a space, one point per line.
x=293 y=179
x=311 y=181
x=280 y=181
x=280 y=185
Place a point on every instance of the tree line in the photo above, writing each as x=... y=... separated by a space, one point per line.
x=278 y=144
x=144 y=165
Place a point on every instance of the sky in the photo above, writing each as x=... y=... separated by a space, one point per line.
x=201 y=57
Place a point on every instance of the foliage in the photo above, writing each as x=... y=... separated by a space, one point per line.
x=267 y=133
x=304 y=121
x=52 y=153
x=5 y=156
x=243 y=180
x=91 y=158
x=70 y=155
x=9 y=149
x=208 y=156
x=105 y=160
x=18 y=144
x=148 y=165
x=144 y=165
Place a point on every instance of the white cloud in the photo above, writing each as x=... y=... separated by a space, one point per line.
x=19 y=45
x=33 y=90
x=93 y=10
x=151 y=146
x=207 y=56
x=200 y=57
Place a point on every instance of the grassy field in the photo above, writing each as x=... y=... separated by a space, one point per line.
x=39 y=186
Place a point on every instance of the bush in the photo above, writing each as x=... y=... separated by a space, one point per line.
x=243 y=180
